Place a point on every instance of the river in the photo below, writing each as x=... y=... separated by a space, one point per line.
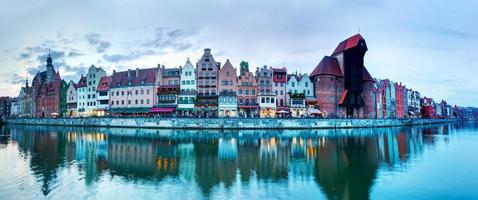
x=421 y=162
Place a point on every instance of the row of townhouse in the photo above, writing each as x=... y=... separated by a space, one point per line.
x=338 y=87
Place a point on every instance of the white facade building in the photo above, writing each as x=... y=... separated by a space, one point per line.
x=187 y=90
x=89 y=104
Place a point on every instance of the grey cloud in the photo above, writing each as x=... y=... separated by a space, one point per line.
x=115 y=58
x=95 y=39
x=177 y=39
x=17 y=79
x=75 y=53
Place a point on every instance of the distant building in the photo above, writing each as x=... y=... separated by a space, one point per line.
x=265 y=95
x=5 y=106
x=14 y=107
x=46 y=92
x=400 y=98
x=81 y=92
x=247 y=92
x=227 y=101
x=428 y=109
x=25 y=100
x=413 y=100
x=187 y=93
x=63 y=99
x=103 y=96
x=132 y=92
x=207 y=93
x=72 y=99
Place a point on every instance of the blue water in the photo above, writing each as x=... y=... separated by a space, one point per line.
x=422 y=162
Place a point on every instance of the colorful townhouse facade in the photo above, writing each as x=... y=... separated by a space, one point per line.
x=72 y=99
x=207 y=93
x=187 y=93
x=266 y=97
x=227 y=87
x=279 y=84
x=132 y=92
x=88 y=101
x=247 y=92
x=103 y=96
x=25 y=101
x=299 y=90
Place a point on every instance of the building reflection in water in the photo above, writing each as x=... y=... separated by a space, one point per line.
x=343 y=163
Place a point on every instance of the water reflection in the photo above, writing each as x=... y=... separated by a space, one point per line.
x=343 y=163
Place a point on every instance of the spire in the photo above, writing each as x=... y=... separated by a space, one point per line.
x=49 y=60
x=26 y=82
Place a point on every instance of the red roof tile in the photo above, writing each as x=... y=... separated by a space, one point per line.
x=327 y=66
x=121 y=79
x=348 y=43
x=104 y=84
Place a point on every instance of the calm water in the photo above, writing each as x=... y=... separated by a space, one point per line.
x=427 y=162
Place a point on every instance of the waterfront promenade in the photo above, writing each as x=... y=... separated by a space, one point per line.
x=224 y=123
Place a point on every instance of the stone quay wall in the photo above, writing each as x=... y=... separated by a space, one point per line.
x=224 y=123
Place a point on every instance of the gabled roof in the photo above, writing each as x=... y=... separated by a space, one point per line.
x=348 y=43
x=104 y=84
x=121 y=79
x=366 y=75
x=279 y=70
x=82 y=82
x=227 y=65
x=327 y=66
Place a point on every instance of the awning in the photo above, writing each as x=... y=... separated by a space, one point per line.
x=250 y=107
x=282 y=112
x=129 y=110
x=162 y=109
x=283 y=108
x=185 y=108
x=314 y=111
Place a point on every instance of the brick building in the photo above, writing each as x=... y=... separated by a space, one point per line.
x=46 y=92
x=207 y=94
x=247 y=92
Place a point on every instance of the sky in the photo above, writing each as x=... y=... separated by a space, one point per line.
x=429 y=46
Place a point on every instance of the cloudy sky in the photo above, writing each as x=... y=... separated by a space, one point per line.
x=430 y=46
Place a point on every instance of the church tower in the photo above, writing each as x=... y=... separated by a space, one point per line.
x=50 y=70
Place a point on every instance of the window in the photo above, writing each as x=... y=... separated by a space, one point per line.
x=253 y=92
x=122 y=102
x=147 y=101
x=272 y=100
x=142 y=91
x=136 y=102
x=129 y=101
x=306 y=84
x=136 y=92
x=117 y=102
x=122 y=93
x=263 y=100
x=293 y=84
x=147 y=91
x=142 y=101
x=240 y=92
x=183 y=82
